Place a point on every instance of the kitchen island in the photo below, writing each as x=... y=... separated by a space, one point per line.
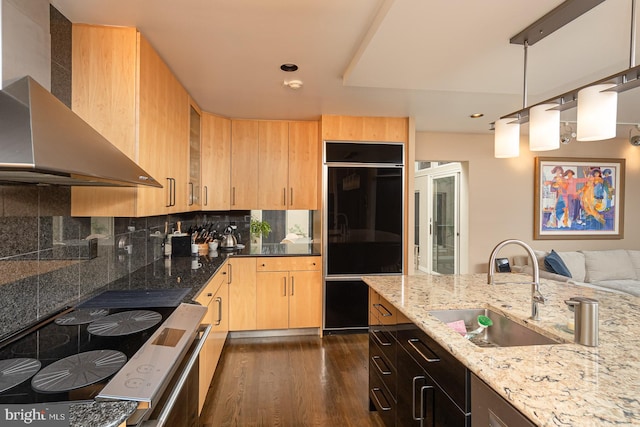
x=563 y=384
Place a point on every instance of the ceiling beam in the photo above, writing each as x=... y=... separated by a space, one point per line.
x=385 y=6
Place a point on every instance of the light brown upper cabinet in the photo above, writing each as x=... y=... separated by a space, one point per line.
x=304 y=165
x=195 y=156
x=273 y=168
x=288 y=168
x=274 y=165
x=125 y=91
x=216 y=162
x=244 y=164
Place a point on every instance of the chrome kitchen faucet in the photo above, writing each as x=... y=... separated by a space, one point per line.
x=536 y=296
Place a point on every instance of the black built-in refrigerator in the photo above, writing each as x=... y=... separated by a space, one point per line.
x=363 y=226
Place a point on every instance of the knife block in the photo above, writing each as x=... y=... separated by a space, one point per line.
x=181 y=246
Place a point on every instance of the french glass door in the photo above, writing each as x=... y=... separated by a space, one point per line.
x=443 y=223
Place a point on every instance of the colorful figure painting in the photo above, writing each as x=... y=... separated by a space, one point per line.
x=578 y=198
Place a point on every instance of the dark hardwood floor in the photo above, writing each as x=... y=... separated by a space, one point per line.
x=291 y=381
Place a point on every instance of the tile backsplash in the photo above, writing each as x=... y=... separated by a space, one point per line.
x=43 y=262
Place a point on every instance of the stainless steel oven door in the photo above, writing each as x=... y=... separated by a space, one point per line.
x=179 y=402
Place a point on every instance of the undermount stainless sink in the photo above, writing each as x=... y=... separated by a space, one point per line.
x=503 y=333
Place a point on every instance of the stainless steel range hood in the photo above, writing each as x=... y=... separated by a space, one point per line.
x=44 y=142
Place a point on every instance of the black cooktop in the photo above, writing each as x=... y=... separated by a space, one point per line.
x=51 y=363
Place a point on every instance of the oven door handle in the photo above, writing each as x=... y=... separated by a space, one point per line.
x=173 y=397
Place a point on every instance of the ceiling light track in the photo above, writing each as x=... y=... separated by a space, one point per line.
x=554 y=20
x=622 y=81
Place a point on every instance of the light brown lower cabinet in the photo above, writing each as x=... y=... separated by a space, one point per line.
x=289 y=293
x=242 y=294
x=215 y=296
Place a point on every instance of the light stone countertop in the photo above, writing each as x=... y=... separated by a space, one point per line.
x=553 y=385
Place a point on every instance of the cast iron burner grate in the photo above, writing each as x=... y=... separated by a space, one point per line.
x=16 y=371
x=77 y=371
x=81 y=317
x=124 y=323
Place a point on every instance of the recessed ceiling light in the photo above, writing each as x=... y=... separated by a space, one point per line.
x=289 y=68
x=476 y=115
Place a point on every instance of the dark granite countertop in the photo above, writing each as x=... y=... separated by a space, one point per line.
x=194 y=272
x=189 y=273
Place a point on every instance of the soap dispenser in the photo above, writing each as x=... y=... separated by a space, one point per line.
x=585 y=320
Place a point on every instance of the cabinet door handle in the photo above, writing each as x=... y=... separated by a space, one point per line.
x=413 y=400
x=284 y=197
x=431 y=358
x=293 y=285
x=291 y=198
x=173 y=199
x=384 y=343
x=386 y=312
x=423 y=412
x=230 y=274
x=374 y=392
x=383 y=370
x=209 y=294
x=284 y=287
x=168 y=192
x=191 y=195
x=206 y=195
x=219 y=301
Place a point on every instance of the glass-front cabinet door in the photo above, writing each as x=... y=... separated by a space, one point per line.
x=194 y=158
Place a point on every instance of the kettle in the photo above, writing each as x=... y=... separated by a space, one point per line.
x=228 y=240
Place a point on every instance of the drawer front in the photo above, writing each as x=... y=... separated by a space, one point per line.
x=381 y=400
x=302 y=263
x=380 y=364
x=385 y=342
x=385 y=311
x=205 y=297
x=444 y=368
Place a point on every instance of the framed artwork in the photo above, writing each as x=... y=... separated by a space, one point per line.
x=578 y=198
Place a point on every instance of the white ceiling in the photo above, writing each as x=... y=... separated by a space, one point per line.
x=438 y=61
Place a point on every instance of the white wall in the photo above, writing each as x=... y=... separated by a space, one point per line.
x=501 y=191
x=25 y=41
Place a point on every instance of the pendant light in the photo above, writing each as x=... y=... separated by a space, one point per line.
x=596 y=103
x=544 y=127
x=506 y=142
x=506 y=138
x=597 y=113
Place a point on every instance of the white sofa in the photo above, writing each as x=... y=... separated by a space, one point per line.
x=616 y=270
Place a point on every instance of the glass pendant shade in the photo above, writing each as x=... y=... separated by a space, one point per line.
x=506 y=139
x=544 y=128
x=597 y=113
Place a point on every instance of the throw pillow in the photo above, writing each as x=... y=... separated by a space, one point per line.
x=635 y=260
x=608 y=265
x=554 y=264
x=575 y=263
x=540 y=255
